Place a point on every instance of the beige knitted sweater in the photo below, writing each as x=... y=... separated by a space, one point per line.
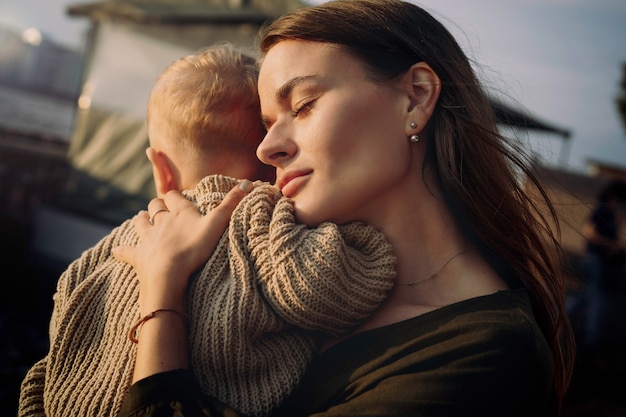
x=258 y=308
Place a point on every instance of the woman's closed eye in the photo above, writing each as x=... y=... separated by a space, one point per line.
x=303 y=108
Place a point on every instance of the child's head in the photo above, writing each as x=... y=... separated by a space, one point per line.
x=204 y=118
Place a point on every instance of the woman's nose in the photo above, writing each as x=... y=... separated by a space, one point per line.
x=276 y=146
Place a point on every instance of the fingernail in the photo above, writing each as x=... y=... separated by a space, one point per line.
x=246 y=186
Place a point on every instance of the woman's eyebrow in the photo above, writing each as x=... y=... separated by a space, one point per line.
x=285 y=90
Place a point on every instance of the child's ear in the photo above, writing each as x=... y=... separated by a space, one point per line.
x=164 y=179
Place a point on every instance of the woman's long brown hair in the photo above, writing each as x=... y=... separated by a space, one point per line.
x=483 y=175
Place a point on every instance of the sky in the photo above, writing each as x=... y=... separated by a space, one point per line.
x=559 y=59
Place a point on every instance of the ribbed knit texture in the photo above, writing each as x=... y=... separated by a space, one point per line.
x=267 y=278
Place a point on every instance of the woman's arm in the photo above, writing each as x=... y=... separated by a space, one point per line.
x=171 y=249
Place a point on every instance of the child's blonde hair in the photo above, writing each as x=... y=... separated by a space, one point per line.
x=209 y=103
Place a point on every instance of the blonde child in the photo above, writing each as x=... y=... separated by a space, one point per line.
x=254 y=319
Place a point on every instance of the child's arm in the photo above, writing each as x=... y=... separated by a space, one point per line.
x=326 y=278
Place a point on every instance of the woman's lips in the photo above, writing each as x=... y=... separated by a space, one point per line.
x=290 y=183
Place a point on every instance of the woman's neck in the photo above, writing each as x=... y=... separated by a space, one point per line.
x=425 y=238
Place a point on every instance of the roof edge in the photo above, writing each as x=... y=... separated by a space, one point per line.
x=166 y=13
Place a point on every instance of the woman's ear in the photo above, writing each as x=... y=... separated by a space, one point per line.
x=423 y=87
x=164 y=179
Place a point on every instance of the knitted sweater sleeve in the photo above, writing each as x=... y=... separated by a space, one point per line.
x=326 y=278
x=34 y=386
x=83 y=267
x=32 y=391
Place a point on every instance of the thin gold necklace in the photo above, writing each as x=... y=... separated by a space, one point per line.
x=434 y=273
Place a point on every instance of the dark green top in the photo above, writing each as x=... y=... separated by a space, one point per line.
x=481 y=357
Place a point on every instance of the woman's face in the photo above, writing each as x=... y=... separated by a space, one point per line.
x=338 y=140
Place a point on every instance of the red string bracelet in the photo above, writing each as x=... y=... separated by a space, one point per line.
x=132 y=335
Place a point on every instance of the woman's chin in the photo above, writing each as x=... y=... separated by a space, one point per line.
x=308 y=216
x=305 y=218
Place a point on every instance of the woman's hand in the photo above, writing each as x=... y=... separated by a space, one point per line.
x=174 y=243
x=177 y=243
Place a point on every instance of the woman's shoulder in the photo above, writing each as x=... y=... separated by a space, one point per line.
x=502 y=315
x=502 y=303
x=452 y=359
x=500 y=326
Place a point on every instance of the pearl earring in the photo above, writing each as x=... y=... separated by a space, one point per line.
x=414 y=138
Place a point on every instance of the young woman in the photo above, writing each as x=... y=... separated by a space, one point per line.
x=373 y=113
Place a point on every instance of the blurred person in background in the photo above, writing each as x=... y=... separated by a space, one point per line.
x=602 y=261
